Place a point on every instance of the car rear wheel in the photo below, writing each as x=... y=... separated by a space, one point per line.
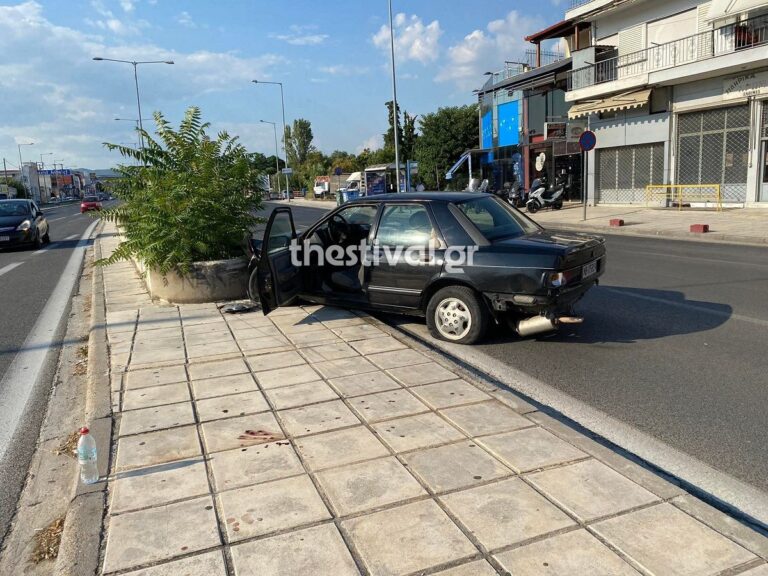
x=253 y=289
x=457 y=314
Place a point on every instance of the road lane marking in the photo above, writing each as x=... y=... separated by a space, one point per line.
x=72 y=237
x=687 y=306
x=54 y=219
x=26 y=370
x=10 y=267
x=45 y=249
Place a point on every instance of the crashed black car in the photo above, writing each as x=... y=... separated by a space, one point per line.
x=463 y=260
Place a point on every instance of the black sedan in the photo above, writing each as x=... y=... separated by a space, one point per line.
x=463 y=260
x=22 y=223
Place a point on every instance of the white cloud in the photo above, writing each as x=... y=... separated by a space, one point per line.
x=373 y=143
x=108 y=20
x=481 y=51
x=127 y=5
x=302 y=36
x=56 y=96
x=344 y=70
x=185 y=19
x=413 y=40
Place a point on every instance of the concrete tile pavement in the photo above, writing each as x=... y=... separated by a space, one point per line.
x=357 y=453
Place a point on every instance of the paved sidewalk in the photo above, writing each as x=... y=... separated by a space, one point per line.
x=738 y=225
x=314 y=442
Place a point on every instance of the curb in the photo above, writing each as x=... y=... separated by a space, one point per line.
x=79 y=550
x=711 y=237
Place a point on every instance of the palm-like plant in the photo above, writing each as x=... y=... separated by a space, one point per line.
x=190 y=198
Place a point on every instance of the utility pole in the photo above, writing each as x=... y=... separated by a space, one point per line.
x=394 y=98
x=5 y=171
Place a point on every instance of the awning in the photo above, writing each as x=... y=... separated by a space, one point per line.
x=618 y=102
x=720 y=9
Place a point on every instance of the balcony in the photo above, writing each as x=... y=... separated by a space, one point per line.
x=729 y=39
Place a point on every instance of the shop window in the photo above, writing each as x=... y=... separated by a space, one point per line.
x=659 y=101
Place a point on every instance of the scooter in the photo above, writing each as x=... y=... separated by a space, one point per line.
x=518 y=197
x=542 y=196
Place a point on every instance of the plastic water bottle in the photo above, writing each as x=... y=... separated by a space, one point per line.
x=86 y=457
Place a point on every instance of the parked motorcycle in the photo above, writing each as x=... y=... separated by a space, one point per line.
x=542 y=196
x=517 y=195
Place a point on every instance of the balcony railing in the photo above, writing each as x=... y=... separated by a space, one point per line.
x=704 y=46
x=577 y=3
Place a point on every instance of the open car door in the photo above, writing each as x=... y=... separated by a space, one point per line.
x=278 y=279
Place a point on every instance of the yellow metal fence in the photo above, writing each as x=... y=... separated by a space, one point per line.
x=681 y=194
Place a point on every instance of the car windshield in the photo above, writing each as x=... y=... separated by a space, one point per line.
x=90 y=199
x=494 y=219
x=14 y=208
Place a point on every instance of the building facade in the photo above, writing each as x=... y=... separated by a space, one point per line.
x=677 y=95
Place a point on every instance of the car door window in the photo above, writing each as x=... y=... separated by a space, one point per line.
x=280 y=233
x=360 y=219
x=405 y=225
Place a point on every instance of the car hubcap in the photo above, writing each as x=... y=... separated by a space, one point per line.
x=453 y=319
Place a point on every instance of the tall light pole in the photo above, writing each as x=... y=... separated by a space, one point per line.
x=277 y=152
x=136 y=121
x=21 y=163
x=394 y=98
x=135 y=65
x=285 y=135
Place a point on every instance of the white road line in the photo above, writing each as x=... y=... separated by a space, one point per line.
x=45 y=249
x=54 y=219
x=10 y=267
x=71 y=237
x=26 y=369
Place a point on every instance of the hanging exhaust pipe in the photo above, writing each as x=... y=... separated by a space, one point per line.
x=535 y=325
x=539 y=324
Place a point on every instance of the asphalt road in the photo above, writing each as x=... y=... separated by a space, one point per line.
x=27 y=278
x=674 y=344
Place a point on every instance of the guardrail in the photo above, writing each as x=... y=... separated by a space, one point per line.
x=678 y=195
x=703 y=46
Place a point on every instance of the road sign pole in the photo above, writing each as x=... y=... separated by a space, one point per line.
x=586 y=183
x=587 y=142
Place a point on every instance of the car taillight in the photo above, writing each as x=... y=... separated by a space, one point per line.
x=560 y=279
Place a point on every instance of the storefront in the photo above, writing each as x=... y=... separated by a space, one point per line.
x=721 y=136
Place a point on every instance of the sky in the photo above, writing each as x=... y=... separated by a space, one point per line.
x=332 y=57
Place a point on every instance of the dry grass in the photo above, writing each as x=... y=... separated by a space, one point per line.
x=47 y=542
x=68 y=447
x=81 y=366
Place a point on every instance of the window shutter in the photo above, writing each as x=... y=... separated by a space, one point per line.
x=632 y=40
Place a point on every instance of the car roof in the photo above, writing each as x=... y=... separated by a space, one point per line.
x=428 y=196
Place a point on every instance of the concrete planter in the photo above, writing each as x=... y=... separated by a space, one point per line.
x=205 y=282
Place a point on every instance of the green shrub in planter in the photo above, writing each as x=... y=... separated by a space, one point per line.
x=189 y=198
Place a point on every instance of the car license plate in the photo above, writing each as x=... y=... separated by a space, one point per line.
x=589 y=269
x=4 y=238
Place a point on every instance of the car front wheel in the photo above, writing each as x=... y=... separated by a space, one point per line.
x=457 y=314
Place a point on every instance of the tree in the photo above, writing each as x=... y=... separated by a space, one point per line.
x=344 y=160
x=190 y=197
x=409 y=137
x=298 y=141
x=445 y=136
x=389 y=135
x=21 y=189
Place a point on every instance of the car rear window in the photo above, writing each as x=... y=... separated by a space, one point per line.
x=90 y=199
x=495 y=219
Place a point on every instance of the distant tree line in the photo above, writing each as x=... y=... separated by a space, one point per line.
x=435 y=140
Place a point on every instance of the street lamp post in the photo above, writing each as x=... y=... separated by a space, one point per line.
x=21 y=163
x=285 y=136
x=277 y=153
x=394 y=98
x=135 y=65
x=137 y=121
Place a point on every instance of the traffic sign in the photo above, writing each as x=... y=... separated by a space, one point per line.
x=287 y=171
x=338 y=171
x=587 y=140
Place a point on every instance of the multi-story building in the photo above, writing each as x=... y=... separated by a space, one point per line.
x=676 y=93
